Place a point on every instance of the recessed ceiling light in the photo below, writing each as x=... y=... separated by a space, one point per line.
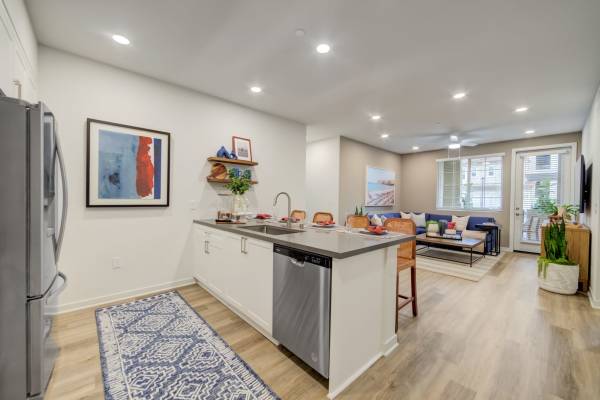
x=529 y=131
x=459 y=95
x=454 y=138
x=376 y=117
x=256 y=89
x=385 y=135
x=521 y=109
x=415 y=147
x=454 y=146
x=323 y=48
x=120 y=39
x=300 y=32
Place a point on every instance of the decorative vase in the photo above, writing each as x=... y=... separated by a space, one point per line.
x=561 y=279
x=239 y=204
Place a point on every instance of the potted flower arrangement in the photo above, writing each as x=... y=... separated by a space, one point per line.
x=556 y=273
x=238 y=185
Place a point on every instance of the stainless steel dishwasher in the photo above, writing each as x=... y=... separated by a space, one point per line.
x=302 y=304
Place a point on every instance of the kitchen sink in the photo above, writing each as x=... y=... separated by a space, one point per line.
x=270 y=230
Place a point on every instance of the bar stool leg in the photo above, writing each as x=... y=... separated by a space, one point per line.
x=397 y=300
x=413 y=287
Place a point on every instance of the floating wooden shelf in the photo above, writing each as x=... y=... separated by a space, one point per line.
x=215 y=180
x=229 y=161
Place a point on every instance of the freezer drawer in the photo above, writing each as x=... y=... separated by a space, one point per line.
x=41 y=349
x=301 y=305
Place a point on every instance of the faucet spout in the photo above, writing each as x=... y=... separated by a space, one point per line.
x=289 y=204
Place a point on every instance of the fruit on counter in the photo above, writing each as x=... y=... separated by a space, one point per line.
x=263 y=216
x=378 y=230
x=326 y=223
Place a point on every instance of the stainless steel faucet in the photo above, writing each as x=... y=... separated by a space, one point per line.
x=289 y=219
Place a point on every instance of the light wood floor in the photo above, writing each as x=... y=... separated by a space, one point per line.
x=500 y=338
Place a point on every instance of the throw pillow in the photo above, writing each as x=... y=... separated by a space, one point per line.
x=461 y=222
x=404 y=215
x=433 y=227
x=375 y=220
x=383 y=218
x=419 y=219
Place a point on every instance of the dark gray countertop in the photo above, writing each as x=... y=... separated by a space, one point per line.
x=324 y=241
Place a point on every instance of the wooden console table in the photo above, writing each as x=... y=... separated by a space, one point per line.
x=578 y=247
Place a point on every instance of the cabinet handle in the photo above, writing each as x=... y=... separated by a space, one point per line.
x=19 y=86
x=243 y=245
x=206 y=247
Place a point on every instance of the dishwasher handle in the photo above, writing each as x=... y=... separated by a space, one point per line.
x=297 y=263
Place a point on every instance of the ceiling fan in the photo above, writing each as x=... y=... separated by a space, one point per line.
x=456 y=142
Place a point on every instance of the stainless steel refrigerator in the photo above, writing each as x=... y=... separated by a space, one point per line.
x=33 y=210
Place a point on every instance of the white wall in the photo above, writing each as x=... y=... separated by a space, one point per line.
x=590 y=147
x=154 y=244
x=323 y=176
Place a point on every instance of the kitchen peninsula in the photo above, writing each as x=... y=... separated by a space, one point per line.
x=258 y=270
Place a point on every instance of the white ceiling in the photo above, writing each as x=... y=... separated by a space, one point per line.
x=402 y=59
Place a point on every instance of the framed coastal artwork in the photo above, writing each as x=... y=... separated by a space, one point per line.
x=127 y=166
x=242 y=148
x=381 y=189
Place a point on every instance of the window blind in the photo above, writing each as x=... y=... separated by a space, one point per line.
x=472 y=183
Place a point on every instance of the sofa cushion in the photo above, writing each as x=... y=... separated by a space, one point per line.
x=420 y=230
x=478 y=220
x=461 y=222
x=375 y=220
x=438 y=217
x=404 y=215
x=418 y=219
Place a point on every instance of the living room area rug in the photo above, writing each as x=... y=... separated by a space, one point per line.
x=463 y=271
x=160 y=348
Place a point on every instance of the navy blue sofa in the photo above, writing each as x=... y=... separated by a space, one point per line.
x=490 y=238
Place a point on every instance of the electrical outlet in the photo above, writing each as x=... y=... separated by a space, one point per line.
x=116 y=263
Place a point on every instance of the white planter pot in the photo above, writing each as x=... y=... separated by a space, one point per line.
x=561 y=279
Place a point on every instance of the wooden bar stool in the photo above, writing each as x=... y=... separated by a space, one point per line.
x=406 y=258
x=357 y=221
x=322 y=216
x=298 y=214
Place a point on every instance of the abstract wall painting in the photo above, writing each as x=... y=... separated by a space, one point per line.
x=380 y=187
x=127 y=166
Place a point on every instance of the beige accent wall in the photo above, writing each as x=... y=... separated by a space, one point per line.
x=419 y=175
x=354 y=158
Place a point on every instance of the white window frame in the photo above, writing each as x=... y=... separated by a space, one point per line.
x=437 y=197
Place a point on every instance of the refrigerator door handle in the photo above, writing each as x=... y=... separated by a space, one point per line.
x=65 y=198
x=54 y=292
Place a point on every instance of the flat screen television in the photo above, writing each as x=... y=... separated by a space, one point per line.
x=580 y=171
x=587 y=191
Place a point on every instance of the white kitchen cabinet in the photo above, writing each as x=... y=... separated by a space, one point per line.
x=257 y=263
x=239 y=271
x=17 y=73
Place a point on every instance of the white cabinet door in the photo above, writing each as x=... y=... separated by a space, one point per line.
x=257 y=266
x=216 y=272
x=201 y=258
x=6 y=65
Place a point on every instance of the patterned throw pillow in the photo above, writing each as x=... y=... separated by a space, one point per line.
x=375 y=220
x=404 y=215
x=461 y=222
x=383 y=218
x=418 y=219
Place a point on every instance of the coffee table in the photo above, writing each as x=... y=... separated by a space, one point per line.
x=464 y=243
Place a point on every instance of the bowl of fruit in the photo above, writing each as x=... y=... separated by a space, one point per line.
x=376 y=230
x=324 y=224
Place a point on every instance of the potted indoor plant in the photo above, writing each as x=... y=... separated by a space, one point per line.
x=238 y=185
x=556 y=273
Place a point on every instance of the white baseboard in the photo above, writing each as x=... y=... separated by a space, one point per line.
x=506 y=249
x=97 y=301
x=336 y=391
x=390 y=345
x=594 y=300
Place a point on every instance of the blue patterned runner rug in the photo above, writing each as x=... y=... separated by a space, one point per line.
x=159 y=348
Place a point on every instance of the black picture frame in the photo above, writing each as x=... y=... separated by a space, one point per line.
x=167 y=174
